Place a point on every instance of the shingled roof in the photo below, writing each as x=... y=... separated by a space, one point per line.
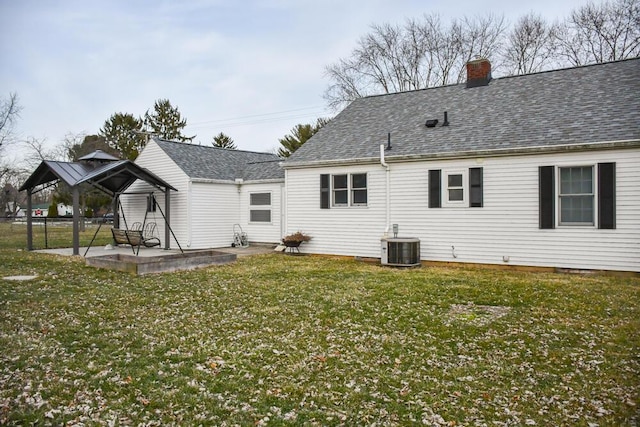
x=208 y=162
x=583 y=105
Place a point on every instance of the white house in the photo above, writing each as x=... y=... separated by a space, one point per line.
x=217 y=189
x=534 y=170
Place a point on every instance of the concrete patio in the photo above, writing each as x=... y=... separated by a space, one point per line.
x=253 y=249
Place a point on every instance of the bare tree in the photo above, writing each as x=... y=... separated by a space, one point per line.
x=530 y=45
x=9 y=113
x=37 y=151
x=593 y=33
x=347 y=83
x=427 y=52
x=421 y=54
x=443 y=47
x=479 y=37
x=11 y=178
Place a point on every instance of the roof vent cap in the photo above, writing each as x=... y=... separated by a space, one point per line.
x=431 y=123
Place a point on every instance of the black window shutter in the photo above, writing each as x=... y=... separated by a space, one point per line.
x=475 y=187
x=607 y=195
x=434 y=188
x=547 y=196
x=324 y=191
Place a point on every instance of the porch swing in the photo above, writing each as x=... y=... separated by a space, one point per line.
x=140 y=233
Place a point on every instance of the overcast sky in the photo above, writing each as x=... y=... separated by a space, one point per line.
x=251 y=69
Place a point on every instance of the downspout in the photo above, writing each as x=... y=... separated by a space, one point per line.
x=388 y=198
x=189 y=211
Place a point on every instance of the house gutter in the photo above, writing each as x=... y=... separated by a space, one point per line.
x=498 y=152
x=387 y=190
x=226 y=181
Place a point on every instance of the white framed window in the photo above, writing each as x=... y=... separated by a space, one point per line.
x=340 y=190
x=343 y=190
x=359 y=189
x=260 y=207
x=456 y=188
x=576 y=195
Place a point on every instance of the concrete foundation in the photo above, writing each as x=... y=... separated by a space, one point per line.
x=161 y=263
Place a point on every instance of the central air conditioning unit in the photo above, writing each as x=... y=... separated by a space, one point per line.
x=400 y=251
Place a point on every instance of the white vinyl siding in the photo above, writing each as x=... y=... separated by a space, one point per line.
x=339 y=231
x=505 y=231
x=214 y=211
x=203 y=213
x=135 y=205
x=261 y=231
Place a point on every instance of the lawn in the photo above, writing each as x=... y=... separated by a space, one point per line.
x=303 y=340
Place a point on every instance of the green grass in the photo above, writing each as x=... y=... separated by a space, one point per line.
x=286 y=340
x=57 y=234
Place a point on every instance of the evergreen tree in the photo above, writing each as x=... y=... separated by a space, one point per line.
x=223 y=141
x=299 y=135
x=89 y=144
x=166 y=122
x=123 y=132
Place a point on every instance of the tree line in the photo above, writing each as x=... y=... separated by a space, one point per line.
x=426 y=51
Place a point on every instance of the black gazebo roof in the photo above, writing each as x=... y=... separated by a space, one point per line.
x=111 y=176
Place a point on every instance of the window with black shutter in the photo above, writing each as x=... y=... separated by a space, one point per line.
x=586 y=195
x=435 y=198
x=325 y=194
x=475 y=188
x=343 y=190
x=546 y=197
x=607 y=195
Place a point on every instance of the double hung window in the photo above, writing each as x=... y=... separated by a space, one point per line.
x=260 y=207
x=577 y=195
x=343 y=190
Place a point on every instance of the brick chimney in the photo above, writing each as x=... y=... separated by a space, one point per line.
x=478 y=72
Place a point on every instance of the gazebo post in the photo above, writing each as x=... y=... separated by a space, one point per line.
x=76 y=220
x=29 y=220
x=114 y=207
x=167 y=210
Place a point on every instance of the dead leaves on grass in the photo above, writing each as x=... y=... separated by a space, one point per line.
x=291 y=340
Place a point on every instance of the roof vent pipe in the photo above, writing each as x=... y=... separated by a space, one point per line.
x=389 y=141
x=446 y=119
